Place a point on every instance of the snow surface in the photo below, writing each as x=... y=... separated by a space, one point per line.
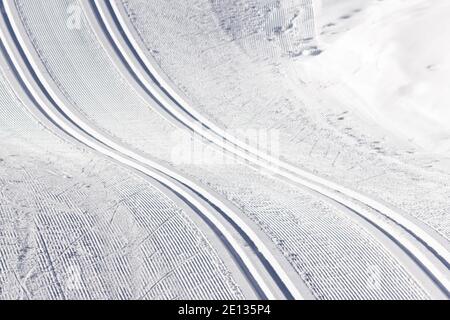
x=76 y=226
x=310 y=233
x=354 y=95
x=324 y=125
x=396 y=61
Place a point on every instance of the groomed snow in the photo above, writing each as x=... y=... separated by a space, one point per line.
x=325 y=126
x=352 y=93
x=76 y=226
x=302 y=232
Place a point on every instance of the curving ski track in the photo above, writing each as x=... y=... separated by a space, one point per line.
x=421 y=243
x=263 y=271
x=422 y=251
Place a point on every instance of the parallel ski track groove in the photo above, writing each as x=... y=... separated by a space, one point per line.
x=434 y=247
x=43 y=89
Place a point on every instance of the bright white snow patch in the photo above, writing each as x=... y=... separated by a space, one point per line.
x=396 y=60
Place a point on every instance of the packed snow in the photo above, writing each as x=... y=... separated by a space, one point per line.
x=324 y=125
x=353 y=92
x=76 y=226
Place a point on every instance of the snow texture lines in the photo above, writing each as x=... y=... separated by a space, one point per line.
x=283 y=229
